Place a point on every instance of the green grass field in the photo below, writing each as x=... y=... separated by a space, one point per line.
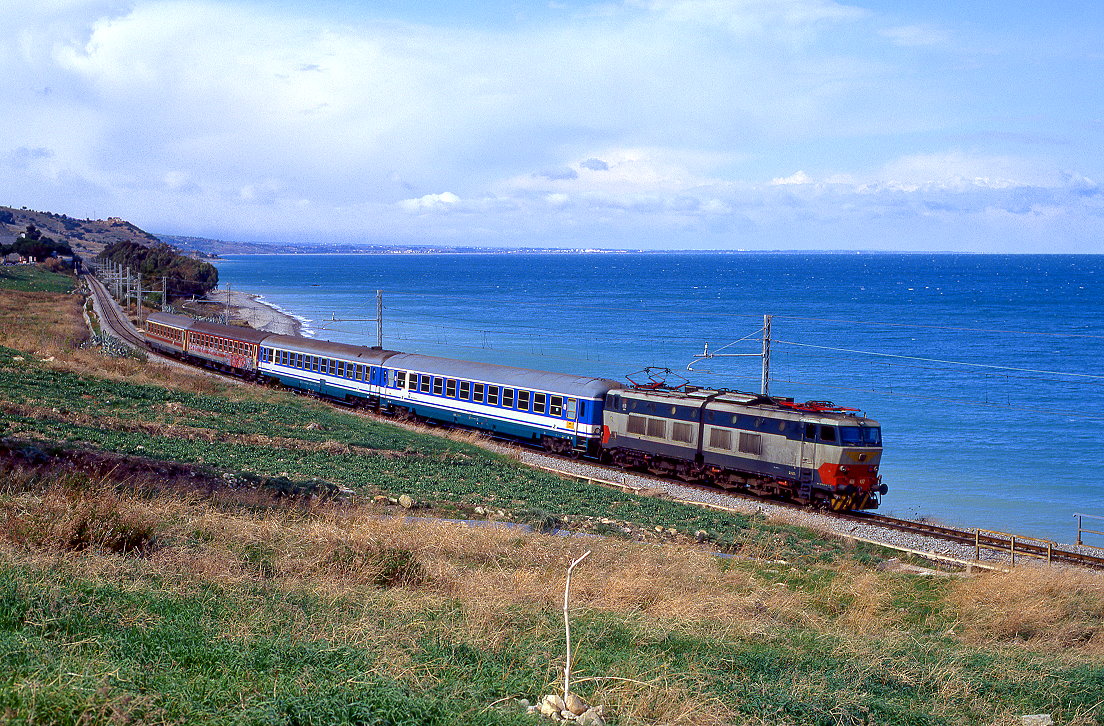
x=31 y=278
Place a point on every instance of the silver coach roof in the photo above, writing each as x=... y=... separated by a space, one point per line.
x=237 y=332
x=495 y=374
x=183 y=322
x=328 y=349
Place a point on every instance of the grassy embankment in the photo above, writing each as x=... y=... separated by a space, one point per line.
x=211 y=599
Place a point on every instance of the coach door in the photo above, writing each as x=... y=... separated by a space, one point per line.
x=571 y=413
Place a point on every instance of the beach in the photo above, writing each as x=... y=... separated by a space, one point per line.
x=251 y=309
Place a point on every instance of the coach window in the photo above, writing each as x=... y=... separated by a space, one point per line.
x=555 y=406
x=492 y=395
x=479 y=390
x=828 y=434
x=465 y=390
x=450 y=388
x=426 y=382
x=523 y=400
x=572 y=409
x=438 y=386
x=538 y=402
x=507 y=398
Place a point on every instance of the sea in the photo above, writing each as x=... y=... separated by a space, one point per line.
x=986 y=372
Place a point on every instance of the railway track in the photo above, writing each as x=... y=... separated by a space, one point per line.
x=112 y=316
x=981 y=540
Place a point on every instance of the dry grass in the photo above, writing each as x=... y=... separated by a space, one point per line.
x=51 y=326
x=1044 y=607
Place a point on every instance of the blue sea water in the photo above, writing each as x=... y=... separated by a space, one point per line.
x=985 y=371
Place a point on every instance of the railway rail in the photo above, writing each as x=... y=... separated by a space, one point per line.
x=981 y=540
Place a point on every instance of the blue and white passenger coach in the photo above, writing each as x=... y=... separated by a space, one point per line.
x=335 y=370
x=562 y=412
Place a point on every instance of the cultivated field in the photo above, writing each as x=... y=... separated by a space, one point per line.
x=179 y=549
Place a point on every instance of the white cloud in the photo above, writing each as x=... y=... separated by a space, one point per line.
x=644 y=121
x=798 y=177
x=431 y=203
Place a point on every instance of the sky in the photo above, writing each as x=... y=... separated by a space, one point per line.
x=681 y=124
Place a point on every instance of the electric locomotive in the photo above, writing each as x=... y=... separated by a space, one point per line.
x=813 y=453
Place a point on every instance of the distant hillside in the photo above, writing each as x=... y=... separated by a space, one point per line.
x=204 y=246
x=87 y=237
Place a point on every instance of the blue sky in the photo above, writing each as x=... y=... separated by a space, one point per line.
x=688 y=124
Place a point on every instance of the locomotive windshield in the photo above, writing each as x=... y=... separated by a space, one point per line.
x=860 y=436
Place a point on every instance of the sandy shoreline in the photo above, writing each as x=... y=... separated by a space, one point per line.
x=254 y=312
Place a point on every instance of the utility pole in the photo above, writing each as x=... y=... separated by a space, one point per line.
x=164 y=293
x=764 y=384
x=129 y=290
x=227 y=321
x=379 y=318
x=764 y=387
x=139 y=299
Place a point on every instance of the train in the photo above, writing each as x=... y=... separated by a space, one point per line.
x=812 y=453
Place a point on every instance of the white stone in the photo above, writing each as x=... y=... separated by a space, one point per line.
x=575 y=704
x=1038 y=719
x=593 y=717
x=555 y=702
x=406 y=502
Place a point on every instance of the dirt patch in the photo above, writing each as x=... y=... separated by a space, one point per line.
x=22 y=461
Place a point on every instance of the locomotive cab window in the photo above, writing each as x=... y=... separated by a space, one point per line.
x=810 y=431
x=828 y=434
x=851 y=436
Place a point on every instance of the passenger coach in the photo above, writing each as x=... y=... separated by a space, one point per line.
x=562 y=412
x=336 y=370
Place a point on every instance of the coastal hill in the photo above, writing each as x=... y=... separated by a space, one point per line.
x=87 y=237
